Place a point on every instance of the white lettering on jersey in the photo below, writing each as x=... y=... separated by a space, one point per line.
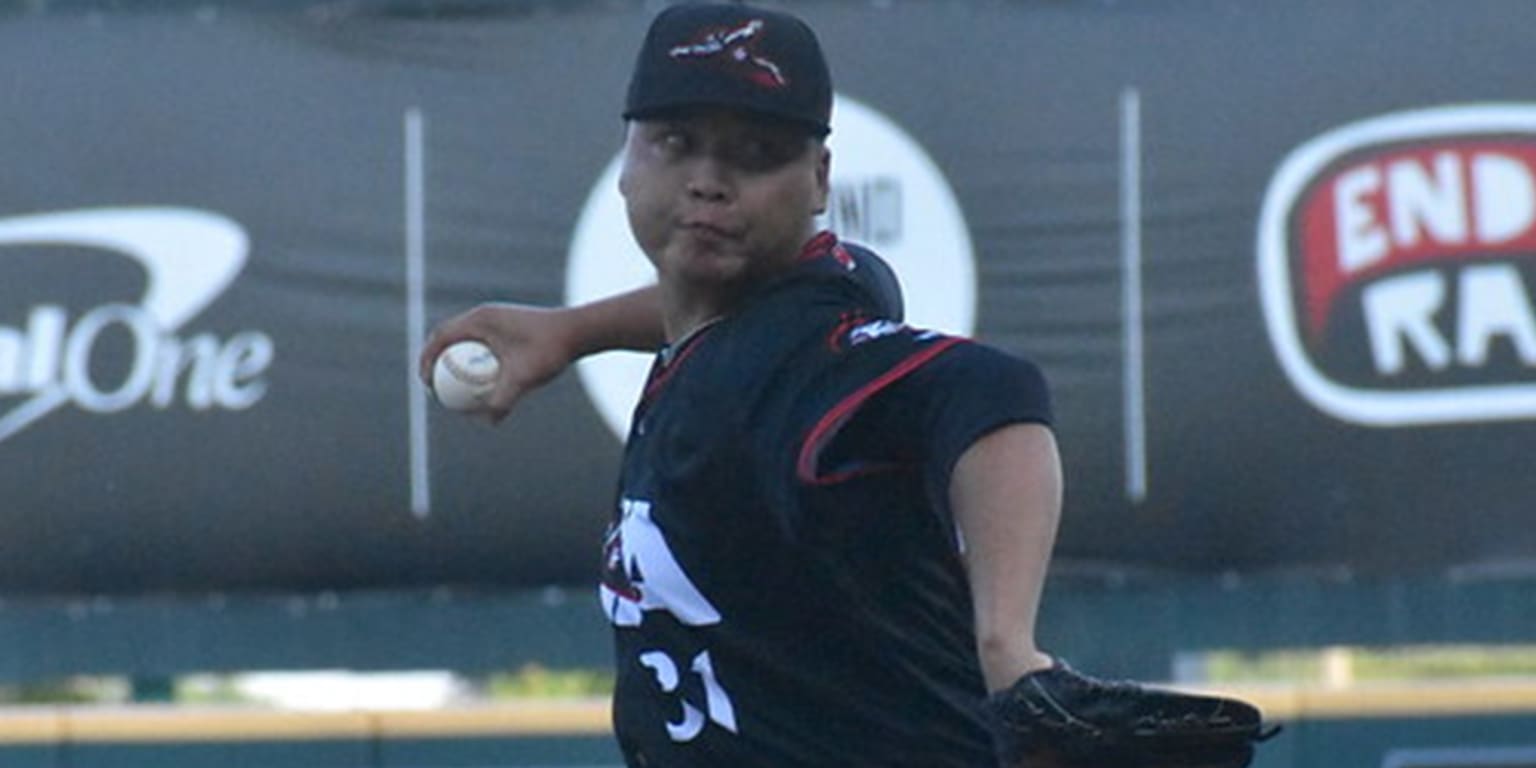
x=721 y=711
x=643 y=575
x=873 y=330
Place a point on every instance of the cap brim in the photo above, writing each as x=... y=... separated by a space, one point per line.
x=678 y=108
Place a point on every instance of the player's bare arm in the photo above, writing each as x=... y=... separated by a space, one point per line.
x=1006 y=497
x=626 y=321
x=535 y=344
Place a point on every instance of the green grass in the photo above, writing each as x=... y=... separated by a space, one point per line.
x=1410 y=663
x=535 y=681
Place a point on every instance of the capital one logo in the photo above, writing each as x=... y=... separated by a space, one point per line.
x=190 y=258
x=1397 y=263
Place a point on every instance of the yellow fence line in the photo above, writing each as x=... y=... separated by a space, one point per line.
x=176 y=724
x=583 y=717
x=589 y=717
x=1385 y=700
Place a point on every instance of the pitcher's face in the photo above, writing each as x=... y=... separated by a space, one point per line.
x=722 y=198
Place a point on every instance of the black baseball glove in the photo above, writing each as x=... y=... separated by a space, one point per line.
x=1057 y=718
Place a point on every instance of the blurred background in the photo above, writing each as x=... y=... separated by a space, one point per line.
x=1276 y=260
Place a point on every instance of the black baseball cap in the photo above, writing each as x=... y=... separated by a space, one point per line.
x=732 y=55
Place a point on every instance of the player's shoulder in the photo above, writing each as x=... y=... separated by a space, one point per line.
x=833 y=273
x=975 y=359
x=971 y=370
x=875 y=275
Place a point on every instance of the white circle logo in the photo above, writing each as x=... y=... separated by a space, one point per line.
x=886 y=194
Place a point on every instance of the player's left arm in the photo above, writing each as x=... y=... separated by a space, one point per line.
x=1005 y=494
x=980 y=419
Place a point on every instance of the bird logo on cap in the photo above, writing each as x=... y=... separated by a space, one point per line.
x=734 y=50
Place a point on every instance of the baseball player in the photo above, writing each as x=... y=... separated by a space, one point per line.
x=831 y=529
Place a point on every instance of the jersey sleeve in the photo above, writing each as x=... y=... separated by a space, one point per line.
x=928 y=418
x=843 y=390
x=877 y=277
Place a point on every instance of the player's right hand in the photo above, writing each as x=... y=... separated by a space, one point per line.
x=532 y=344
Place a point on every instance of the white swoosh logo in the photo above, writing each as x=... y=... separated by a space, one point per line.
x=190 y=256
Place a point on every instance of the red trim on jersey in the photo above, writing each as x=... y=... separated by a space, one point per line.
x=825 y=243
x=849 y=321
x=860 y=470
x=662 y=373
x=818 y=245
x=810 y=448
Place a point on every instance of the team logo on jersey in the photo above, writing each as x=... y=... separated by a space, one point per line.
x=736 y=51
x=1396 y=261
x=855 y=330
x=641 y=574
x=873 y=330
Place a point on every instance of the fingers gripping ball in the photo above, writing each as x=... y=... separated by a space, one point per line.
x=465 y=375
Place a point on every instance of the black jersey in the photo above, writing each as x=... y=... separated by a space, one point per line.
x=783 y=576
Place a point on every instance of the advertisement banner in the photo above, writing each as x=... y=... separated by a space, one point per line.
x=1276 y=261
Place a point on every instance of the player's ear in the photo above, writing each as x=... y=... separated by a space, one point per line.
x=823 y=177
x=626 y=153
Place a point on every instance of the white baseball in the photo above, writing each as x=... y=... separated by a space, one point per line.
x=464 y=375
